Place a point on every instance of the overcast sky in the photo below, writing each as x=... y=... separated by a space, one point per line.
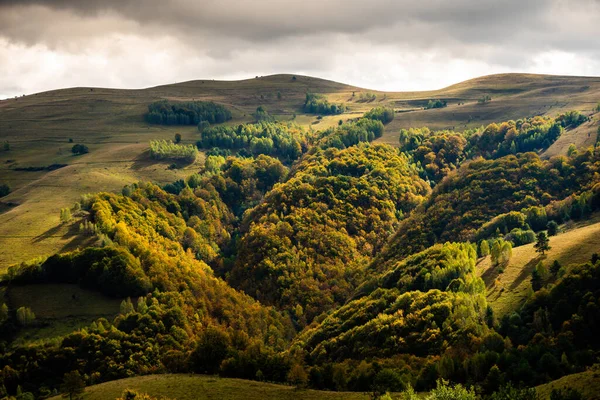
x=379 y=44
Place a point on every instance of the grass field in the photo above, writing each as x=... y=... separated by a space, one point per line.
x=59 y=309
x=508 y=290
x=110 y=122
x=200 y=387
x=587 y=383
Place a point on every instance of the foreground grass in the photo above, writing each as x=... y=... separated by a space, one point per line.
x=587 y=383
x=508 y=290
x=200 y=387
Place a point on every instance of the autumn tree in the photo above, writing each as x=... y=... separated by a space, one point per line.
x=73 y=385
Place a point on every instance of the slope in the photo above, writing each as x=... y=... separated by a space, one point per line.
x=508 y=290
x=201 y=387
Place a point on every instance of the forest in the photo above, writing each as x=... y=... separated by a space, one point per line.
x=318 y=104
x=322 y=260
x=165 y=112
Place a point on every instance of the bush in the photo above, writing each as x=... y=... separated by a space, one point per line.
x=552 y=228
x=4 y=190
x=79 y=149
x=436 y=104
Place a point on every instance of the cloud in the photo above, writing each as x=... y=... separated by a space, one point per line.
x=383 y=44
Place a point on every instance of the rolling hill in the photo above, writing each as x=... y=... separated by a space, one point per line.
x=39 y=129
x=200 y=387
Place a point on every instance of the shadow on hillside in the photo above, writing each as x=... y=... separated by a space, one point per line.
x=144 y=161
x=526 y=271
x=52 y=232
x=490 y=275
x=73 y=230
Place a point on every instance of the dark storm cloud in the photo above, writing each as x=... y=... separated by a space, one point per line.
x=375 y=42
x=421 y=22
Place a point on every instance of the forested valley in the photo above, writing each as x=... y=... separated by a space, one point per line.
x=323 y=259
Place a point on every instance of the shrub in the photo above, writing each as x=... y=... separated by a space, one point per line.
x=436 y=104
x=79 y=149
x=4 y=190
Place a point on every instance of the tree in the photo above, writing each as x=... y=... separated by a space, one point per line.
x=65 y=215
x=178 y=138
x=6 y=146
x=445 y=392
x=490 y=319
x=126 y=306
x=73 y=385
x=509 y=392
x=3 y=313
x=565 y=394
x=552 y=228
x=536 y=280
x=297 y=376
x=4 y=190
x=542 y=244
x=484 y=248
x=555 y=267
x=211 y=349
x=79 y=149
x=202 y=125
x=572 y=150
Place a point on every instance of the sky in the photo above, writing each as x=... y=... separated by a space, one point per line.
x=394 y=45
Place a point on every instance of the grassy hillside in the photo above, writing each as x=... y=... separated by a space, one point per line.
x=587 y=383
x=508 y=290
x=59 y=309
x=200 y=387
x=109 y=121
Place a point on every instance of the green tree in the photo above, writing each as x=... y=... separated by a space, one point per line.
x=79 y=149
x=444 y=391
x=542 y=244
x=536 y=280
x=552 y=228
x=3 y=313
x=6 y=146
x=73 y=385
x=211 y=349
x=25 y=316
x=509 y=392
x=203 y=125
x=555 y=267
x=297 y=376
x=65 y=215
x=178 y=138
x=484 y=248
x=4 y=190
x=127 y=306
x=565 y=394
